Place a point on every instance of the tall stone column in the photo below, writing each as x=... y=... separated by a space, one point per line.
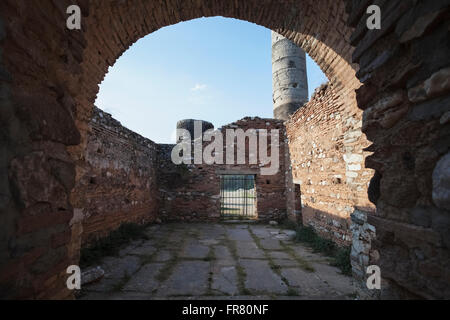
x=290 y=83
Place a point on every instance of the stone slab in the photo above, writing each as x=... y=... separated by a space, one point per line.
x=271 y=244
x=307 y=283
x=279 y=255
x=126 y=250
x=262 y=232
x=285 y=263
x=334 y=278
x=247 y=249
x=260 y=278
x=239 y=234
x=195 y=251
x=117 y=268
x=224 y=280
x=163 y=256
x=222 y=252
x=144 y=280
x=188 y=278
x=143 y=250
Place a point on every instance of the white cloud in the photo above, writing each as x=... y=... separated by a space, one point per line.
x=200 y=94
x=199 y=87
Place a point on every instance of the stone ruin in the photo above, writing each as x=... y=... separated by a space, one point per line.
x=369 y=152
x=128 y=178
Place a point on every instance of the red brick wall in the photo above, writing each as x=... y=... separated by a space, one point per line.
x=326 y=146
x=128 y=178
x=119 y=184
x=50 y=77
x=192 y=192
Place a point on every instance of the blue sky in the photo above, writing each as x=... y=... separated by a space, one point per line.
x=214 y=69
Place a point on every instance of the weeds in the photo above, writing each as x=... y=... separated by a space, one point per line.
x=119 y=285
x=289 y=224
x=340 y=256
x=277 y=268
x=342 y=260
x=165 y=272
x=305 y=265
x=241 y=274
x=319 y=244
x=292 y=292
x=211 y=255
x=110 y=245
x=146 y=259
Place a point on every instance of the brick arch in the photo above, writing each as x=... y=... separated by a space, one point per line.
x=318 y=29
x=50 y=76
x=301 y=21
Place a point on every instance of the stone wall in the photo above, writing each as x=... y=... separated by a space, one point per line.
x=362 y=254
x=192 y=192
x=326 y=146
x=129 y=178
x=50 y=77
x=188 y=192
x=404 y=67
x=120 y=182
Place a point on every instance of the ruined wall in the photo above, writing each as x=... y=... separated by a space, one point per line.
x=120 y=183
x=405 y=98
x=188 y=192
x=192 y=192
x=50 y=76
x=326 y=146
x=132 y=179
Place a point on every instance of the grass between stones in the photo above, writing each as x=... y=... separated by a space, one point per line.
x=169 y=266
x=210 y=292
x=288 y=225
x=111 y=244
x=275 y=268
x=146 y=259
x=241 y=274
x=305 y=265
x=340 y=256
x=143 y=260
x=210 y=258
x=122 y=282
x=292 y=292
x=163 y=274
x=211 y=255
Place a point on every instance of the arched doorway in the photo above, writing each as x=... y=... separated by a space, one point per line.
x=51 y=75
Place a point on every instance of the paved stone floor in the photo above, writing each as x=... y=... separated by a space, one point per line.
x=219 y=261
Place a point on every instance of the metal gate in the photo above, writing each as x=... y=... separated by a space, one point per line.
x=237 y=197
